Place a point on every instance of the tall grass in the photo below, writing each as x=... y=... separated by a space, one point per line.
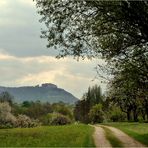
x=54 y=136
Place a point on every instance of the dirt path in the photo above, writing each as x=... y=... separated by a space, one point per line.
x=124 y=138
x=99 y=137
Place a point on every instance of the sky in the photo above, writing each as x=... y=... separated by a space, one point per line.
x=25 y=60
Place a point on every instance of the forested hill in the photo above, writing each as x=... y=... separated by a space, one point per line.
x=45 y=92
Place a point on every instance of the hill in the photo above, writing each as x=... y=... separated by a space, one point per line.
x=46 y=92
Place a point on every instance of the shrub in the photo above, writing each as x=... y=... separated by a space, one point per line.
x=7 y=119
x=117 y=115
x=25 y=121
x=46 y=119
x=96 y=114
x=63 y=109
x=60 y=119
x=55 y=119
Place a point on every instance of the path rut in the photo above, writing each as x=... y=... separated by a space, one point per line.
x=101 y=140
x=124 y=138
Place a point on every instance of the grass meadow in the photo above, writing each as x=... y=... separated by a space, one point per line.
x=48 y=136
x=138 y=131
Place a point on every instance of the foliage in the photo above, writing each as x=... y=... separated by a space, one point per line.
x=8 y=120
x=93 y=27
x=90 y=98
x=96 y=114
x=48 y=136
x=46 y=119
x=44 y=112
x=38 y=109
x=6 y=117
x=59 y=119
x=63 y=109
x=116 y=114
x=55 y=119
x=130 y=94
x=6 y=97
x=81 y=111
x=24 y=121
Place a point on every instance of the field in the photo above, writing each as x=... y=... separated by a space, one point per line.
x=138 y=131
x=55 y=136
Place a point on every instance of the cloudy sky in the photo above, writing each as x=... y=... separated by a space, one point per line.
x=24 y=58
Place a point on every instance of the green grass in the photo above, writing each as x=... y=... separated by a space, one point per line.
x=114 y=141
x=48 y=136
x=138 y=131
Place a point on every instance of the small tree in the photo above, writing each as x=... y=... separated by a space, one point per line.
x=96 y=114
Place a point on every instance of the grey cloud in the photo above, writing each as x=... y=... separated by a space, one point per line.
x=20 y=30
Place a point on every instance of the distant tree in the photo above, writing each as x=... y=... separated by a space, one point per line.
x=63 y=109
x=6 y=97
x=38 y=109
x=90 y=98
x=27 y=104
x=81 y=111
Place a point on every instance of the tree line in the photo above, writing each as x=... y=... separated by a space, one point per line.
x=30 y=113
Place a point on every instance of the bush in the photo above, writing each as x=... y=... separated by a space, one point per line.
x=46 y=119
x=60 y=119
x=55 y=119
x=96 y=114
x=25 y=121
x=117 y=115
x=63 y=109
x=7 y=120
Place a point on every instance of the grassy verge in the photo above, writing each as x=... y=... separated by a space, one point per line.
x=114 y=141
x=138 y=131
x=53 y=136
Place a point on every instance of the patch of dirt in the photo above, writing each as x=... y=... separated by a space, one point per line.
x=124 y=138
x=100 y=138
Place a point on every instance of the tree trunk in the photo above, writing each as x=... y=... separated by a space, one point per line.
x=135 y=115
x=129 y=115
x=143 y=115
x=147 y=114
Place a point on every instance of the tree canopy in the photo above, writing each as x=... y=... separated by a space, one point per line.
x=90 y=28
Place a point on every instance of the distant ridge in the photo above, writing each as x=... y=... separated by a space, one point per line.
x=46 y=92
